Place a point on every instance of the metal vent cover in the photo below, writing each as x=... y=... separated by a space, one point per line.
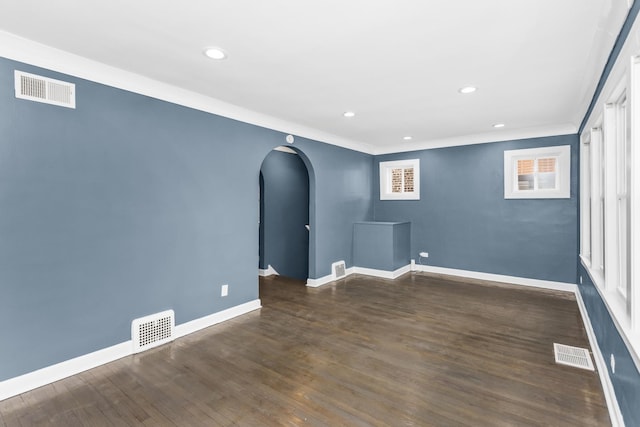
x=572 y=356
x=339 y=269
x=153 y=330
x=43 y=89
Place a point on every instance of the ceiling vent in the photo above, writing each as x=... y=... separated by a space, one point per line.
x=46 y=90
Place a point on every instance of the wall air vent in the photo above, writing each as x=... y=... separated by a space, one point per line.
x=153 y=330
x=46 y=90
x=339 y=270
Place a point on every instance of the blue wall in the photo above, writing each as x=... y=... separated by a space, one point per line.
x=128 y=205
x=626 y=380
x=464 y=222
x=340 y=183
x=285 y=212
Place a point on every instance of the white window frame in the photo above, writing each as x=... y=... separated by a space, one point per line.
x=605 y=267
x=586 y=176
x=386 y=169
x=562 y=153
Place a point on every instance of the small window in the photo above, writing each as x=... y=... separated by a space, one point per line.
x=400 y=180
x=537 y=173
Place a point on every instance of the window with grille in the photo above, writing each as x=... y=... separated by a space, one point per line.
x=537 y=173
x=400 y=180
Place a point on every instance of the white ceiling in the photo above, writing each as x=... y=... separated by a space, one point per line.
x=398 y=64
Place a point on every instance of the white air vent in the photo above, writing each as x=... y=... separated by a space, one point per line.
x=338 y=269
x=43 y=89
x=151 y=331
x=573 y=356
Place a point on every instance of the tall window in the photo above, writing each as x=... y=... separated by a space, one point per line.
x=623 y=178
x=585 y=207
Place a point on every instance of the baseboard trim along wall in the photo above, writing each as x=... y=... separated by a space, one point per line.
x=41 y=377
x=545 y=284
x=607 y=386
x=385 y=274
x=269 y=271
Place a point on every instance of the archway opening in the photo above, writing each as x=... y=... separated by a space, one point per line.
x=285 y=221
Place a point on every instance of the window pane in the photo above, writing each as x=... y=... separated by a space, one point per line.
x=547 y=164
x=396 y=180
x=525 y=174
x=525 y=167
x=408 y=180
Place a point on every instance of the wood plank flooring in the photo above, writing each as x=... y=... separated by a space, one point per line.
x=422 y=350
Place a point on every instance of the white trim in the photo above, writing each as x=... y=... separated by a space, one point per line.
x=561 y=153
x=481 y=138
x=47 y=375
x=20 y=49
x=385 y=274
x=32 y=380
x=603 y=372
x=316 y=283
x=385 y=179
x=634 y=195
x=623 y=328
x=284 y=149
x=215 y=318
x=270 y=271
x=537 y=283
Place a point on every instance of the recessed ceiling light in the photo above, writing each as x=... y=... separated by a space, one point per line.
x=349 y=114
x=407 y=138
x=467 y=89
x=215 y=53
x=498 y=125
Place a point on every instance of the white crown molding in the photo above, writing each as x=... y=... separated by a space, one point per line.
x=630 y=48
x=483 y=138
x=23 y=50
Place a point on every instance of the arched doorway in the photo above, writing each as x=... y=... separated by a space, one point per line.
x=284 y=232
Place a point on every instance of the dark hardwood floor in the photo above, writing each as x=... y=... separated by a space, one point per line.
x=418 y=351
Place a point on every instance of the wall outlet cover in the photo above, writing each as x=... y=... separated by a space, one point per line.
x=224 y=290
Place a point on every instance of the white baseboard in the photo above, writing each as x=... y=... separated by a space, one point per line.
x=385 y=274
x=607 y=385
x=215 y=318
x=41 y=377
x=32 y=380
x=269 y=271
x=315 y=283
x=545 y=284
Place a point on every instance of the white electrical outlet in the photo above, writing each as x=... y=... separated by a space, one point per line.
x=424 y=254
x=613 y=364
x=224 y=291
x=581 y=280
